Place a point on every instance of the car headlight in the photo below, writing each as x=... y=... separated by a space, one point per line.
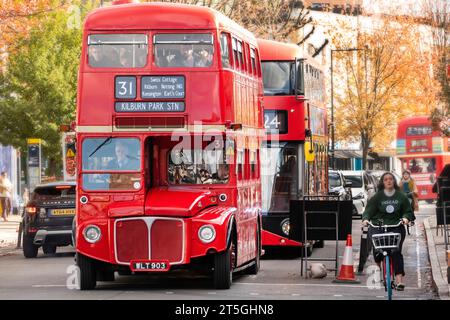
x=359 y=196
x=285 y=226
x=92 y=233
x=207 y=234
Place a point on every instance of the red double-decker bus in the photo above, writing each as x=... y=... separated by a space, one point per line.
x=169 y=125
x=422 y=151
x=296 y=123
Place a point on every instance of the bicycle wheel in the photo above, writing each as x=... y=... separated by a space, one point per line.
x=387 y=266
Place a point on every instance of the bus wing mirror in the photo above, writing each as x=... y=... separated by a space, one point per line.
x=299 y=83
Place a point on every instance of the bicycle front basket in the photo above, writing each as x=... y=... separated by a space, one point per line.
x=388 y=240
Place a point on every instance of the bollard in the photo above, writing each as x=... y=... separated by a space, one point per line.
x=363 y=250
x=448 y=266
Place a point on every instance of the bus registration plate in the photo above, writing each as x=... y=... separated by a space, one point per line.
x=150 y=265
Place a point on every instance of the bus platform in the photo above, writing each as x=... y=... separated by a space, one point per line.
x=438 y=257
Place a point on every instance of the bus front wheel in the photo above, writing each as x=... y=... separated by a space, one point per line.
x=87 y=274
x=223 y=268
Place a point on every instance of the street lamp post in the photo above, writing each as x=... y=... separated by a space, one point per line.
x=332 y=102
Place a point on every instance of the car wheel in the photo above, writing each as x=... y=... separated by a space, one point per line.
x=87 y=274
x=223 y=268
x=49 y=248
x=30 y=250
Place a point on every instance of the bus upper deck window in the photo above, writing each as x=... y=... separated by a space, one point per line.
x=183 y=50
x=117 y=50
x=224 y=50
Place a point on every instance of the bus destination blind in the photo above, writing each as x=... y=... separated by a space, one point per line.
x=148 y=106
x=163 y=87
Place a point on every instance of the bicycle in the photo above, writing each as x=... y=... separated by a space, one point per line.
x=386 y=243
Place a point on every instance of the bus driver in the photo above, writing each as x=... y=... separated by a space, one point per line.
x=123 y=160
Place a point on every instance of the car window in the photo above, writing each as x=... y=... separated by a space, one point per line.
x=334 y=180
x=355 y=180
x=53 y=192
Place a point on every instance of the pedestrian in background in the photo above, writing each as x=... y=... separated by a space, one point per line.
x=5 y=195
x=409 y=187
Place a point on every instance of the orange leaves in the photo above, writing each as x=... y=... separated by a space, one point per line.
x=389 y=79
x=16 y=19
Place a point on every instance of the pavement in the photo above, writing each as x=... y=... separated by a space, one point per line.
x=438 y=257
x=8 y=234
x=54 y=277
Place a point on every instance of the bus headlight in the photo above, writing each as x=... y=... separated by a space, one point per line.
x=285 y=226
x=92 y=233
x=207 y=234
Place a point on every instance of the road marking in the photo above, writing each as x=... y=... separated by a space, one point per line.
x=419 y=276
x=254 y=294
x=47 y=285
x=169 y=292
x=212 y=292
x=338 y=295
x=309 y=285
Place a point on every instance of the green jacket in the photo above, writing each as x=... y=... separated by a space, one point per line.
x=389 y=209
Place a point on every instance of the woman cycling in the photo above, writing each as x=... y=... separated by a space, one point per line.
x=409 y=188
x=390 y=205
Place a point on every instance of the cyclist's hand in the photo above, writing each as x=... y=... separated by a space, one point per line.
x=405 y=221
x=365 y=223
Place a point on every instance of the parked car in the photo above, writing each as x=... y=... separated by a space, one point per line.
x=48 y=217
x=363 y=188
x=337 y=185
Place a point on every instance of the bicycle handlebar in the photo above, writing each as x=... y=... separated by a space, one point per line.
x=387 y=225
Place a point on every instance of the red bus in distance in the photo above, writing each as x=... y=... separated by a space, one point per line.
x=286 y=175
x=169 y=127
x=422 y=151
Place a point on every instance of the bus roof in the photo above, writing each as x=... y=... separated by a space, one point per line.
x=275 y=50
x=164 y=16
x=417 y=120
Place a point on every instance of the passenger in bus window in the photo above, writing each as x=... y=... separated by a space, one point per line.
x=205 y=177
x=415 y=168
x=97 y=57
x=141 y=57
x=124 y=160
x=223 y=173
x=125 y=57
x=182 y=57
x=203 y=56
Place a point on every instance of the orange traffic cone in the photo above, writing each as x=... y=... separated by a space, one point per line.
x=347 y=274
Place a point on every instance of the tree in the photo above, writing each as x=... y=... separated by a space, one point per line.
x=438 y=17
x=272 y=19
x=18 y=17
x=38 y=89
x=381 y=83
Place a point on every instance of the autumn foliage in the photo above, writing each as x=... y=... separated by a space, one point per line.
x=388 y=78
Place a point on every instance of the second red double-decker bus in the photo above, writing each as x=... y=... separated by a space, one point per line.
x=295 y=117
x=422 y=151
x=169 y=125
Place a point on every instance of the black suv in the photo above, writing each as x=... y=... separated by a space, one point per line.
x=48 y=217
